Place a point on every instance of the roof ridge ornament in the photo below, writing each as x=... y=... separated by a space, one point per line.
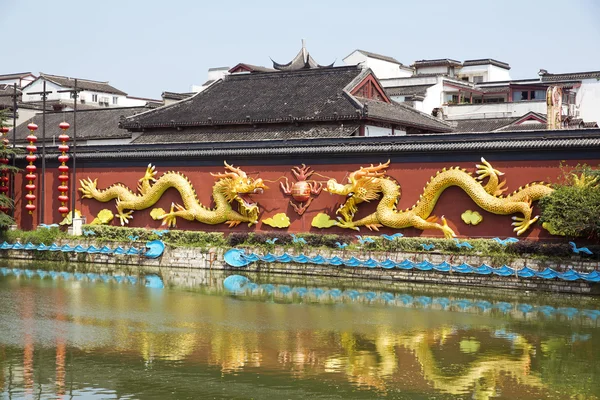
x=302 y=61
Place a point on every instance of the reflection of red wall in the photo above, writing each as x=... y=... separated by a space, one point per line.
x=412 y=177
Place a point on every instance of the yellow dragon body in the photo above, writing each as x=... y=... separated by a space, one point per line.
x=368 y=183
x=231 y=186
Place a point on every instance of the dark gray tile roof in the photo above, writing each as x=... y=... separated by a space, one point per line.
x=176 y=96
x=570 y=76
x=84 y=84
x=486 y=61
x=314 y=95
x=253 y=68
x=408 y=116
x=309 y=95
x=380 y=57
x=15 y=75
x=556 y=141
x=302 y=60
x=437 y=61
x=246 y=133
x=420 y=90
x=99 y=123
x=482 y=124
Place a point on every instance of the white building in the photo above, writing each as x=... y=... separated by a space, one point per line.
x=93 y=94
x=22 y=79
x=384 y=67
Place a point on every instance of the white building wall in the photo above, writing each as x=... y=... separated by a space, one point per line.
x=433 y=98
x=372 y=131
x=377 y=131
x=433 y=70
x=498 y=74
x=588 y=100
x=103 y=99
x=413 y=81
x=382 y=69
x=494 y=110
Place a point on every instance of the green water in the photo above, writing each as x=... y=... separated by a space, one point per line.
x=63 y=338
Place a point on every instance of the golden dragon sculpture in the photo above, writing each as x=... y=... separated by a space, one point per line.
x=232 y=186
x=368 y=183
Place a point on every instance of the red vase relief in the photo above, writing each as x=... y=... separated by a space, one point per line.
x=303 y=190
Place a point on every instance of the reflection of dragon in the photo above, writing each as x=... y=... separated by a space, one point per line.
x=367 y=183
x=232 y=185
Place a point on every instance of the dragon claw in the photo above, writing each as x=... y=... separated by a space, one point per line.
x=374 y=227
x=232 y=224
x=522 y=224
x=125 y=217
x=342 y=223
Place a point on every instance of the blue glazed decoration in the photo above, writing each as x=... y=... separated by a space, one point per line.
x=392 y=237
x=506 y=241
x=155 y=248
x=297 y=239
x=80 y=249
x=460 y=244
x=583 y=250
x=234 y=258
x=154 y=282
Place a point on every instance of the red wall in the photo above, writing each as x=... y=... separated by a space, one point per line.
x=412 y=177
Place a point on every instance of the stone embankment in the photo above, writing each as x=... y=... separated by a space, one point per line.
x=199 y=258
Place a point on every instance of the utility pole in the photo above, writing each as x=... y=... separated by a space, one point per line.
x=44 y=95
x=75 y=92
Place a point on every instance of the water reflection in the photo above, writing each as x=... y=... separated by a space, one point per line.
x=194 y=339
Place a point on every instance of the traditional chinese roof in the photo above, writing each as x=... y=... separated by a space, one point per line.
x=486 y=61
x=548 y=77
x=412 y=90
x=245 y=133
x=303 y=60
x=84 y=84
x=243 y=67
x=436 y=62
x=96 y=124
x=17 y=75
x=393 y=112
x=295 y=97
x=577 y=142
x=380 y=57
x=176 y=96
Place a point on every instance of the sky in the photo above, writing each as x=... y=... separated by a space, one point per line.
x=147 y=47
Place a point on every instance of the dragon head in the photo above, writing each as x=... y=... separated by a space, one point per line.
x=237 y=186
x=363 y=185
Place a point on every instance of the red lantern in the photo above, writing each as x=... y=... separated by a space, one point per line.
x=4 y=173
x=63 y=189
x=30 y=197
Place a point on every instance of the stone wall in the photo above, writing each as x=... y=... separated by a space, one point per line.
x=197 y=258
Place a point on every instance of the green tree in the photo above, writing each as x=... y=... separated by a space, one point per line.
x=573 y=209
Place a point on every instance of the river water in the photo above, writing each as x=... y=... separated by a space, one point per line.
x=98 y=335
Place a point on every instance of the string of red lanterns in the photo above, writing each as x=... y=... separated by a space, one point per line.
x=31 y=168
x=63 y=189
x=4 y=178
